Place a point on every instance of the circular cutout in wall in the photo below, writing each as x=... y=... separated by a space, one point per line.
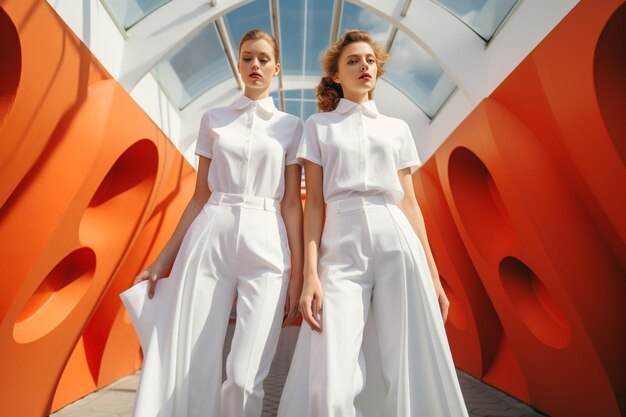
x=456 y=315
x=479 y=202
x=609 y=67
x=10 y=64
x=119 y=201
x=56 y=296
x=534 y=304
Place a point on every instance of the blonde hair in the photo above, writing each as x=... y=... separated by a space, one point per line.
x=329 y=92
x=256 y=34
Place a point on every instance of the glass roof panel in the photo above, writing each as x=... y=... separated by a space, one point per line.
x=309 y=108
x=193 y=68
x=129 y=12
x=301 y=103
x=254 y=15
x=482 y=16
x=299 y=95
x=292 y=36
x=413 y=71
x=305 y=31
x=274 y=96
x=319 y=14
x=355 y=17
x=292 y=94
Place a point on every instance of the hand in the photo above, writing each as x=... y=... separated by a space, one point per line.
x=291 y=303
x=442 y=299
x=153 y=273
x=311 y=302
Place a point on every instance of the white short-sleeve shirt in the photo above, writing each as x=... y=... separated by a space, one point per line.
x=249 y=144
x=360 y=151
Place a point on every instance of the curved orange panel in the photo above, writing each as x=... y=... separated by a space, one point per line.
x=473 y=327
x=83 y=170
x=55 y=70
x=609 y=67
x=553 y=92
x=75 y=262
x=108 y=348
x=10 y=64
x=535 y=250
x=569 y=93
x=533 y=180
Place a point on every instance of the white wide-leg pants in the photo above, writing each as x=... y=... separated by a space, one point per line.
x=383 y=350
x=236 y=245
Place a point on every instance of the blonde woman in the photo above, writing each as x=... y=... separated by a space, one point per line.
x=234 y=238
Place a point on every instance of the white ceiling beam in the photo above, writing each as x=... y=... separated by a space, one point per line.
x=334 y=27
x=275 y=18
x=228 y=48
x=165 y=29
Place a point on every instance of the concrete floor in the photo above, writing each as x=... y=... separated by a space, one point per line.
x=116 y=400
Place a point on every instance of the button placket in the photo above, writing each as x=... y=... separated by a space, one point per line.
x=362 y=150
x=246 y=147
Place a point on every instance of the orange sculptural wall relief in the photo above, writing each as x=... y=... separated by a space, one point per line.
x=525 y=211
x=90 y=191
x=522 y=204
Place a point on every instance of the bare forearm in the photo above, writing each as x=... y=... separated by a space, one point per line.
x=169 y=251
x=313 y=218
x=292 y=216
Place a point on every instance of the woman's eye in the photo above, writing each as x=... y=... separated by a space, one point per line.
x=246 y=59
x=371 y=61
x=265 y=61
x=352 y=61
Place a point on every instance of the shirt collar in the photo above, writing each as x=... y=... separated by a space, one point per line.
x=368 y=108
x=266 y=104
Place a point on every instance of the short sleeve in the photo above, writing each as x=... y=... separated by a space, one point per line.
x=206 y=137
x=309 y=148
x=408 y=157
x=292 y=148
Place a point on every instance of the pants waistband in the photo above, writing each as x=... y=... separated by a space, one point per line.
x=246 y=201
x=357 y=203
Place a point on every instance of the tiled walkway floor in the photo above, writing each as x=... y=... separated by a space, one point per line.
x=117 y=399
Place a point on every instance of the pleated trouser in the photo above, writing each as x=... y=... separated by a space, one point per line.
x=237 y=245
x=383 y=350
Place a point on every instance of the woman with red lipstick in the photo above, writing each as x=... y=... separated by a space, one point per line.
x=376 y=343
x=233 y=239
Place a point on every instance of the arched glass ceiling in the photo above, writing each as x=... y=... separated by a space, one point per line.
x=483 y=16
x=305 y=32
x=254 y=15
x=193 y=68
x=306 y=27
x=412 y=71
x=129 y=12
x=354 y=17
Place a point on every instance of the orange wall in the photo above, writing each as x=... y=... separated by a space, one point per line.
x=90 y=190
x=526 y=212
x=524 y=207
